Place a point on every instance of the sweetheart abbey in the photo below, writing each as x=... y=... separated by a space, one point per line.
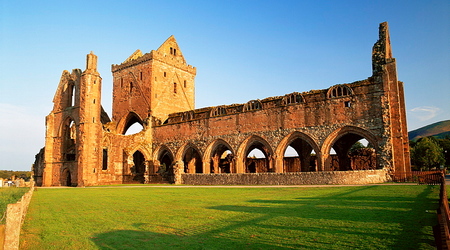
x=84 y=146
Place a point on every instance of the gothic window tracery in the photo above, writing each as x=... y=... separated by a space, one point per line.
x=292 y=98
x=252 y=105
x=218 y=111
x=339 y=91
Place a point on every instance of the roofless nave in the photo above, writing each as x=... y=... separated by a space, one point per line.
x=180 y=144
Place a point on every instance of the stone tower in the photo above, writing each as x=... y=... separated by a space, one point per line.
x=90 y=127
x=153 y=84
x=74 y=129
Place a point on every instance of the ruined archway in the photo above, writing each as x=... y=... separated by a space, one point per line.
x=69 y=140
x=192 y=160
x=138 y=168
x=255 y=156
x=297 y=152
x=164 y=165
x=132 y=124
x=66 y=178
x=345 y=150
x=219 y=158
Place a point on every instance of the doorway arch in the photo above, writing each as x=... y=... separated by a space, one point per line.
x=66 y=178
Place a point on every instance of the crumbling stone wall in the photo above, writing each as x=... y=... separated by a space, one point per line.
x=293 y=178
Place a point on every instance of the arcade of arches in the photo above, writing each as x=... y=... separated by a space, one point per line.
x=220 y=157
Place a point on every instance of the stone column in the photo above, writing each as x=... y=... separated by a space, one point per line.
x=146 y=172
x=178 y=171
x=279 y=164
x=216 y=160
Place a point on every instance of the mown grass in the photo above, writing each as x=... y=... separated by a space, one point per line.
x=9 y=195
x=364 y=217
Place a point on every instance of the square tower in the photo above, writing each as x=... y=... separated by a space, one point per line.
x=153 y=84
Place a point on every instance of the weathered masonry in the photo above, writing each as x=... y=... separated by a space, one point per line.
x=323 y=129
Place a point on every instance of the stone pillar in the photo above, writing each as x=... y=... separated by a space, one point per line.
x=178 y=171
x=323 y=162
x=279 y=164
x=206 y=167
x=146 y=172
x=216 y=161
x=240 y=165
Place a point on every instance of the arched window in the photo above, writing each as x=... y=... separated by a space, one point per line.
x=133 y=125
x=218 y=111
x=339 y=91
x=292 y=98
x=188 y=115
x=252 y=105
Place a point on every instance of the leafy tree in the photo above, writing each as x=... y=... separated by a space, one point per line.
x=445 y=145
x=356 y=147
x=427 y=154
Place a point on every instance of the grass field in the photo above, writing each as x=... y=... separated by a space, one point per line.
x=9 y=195
x=362 y=217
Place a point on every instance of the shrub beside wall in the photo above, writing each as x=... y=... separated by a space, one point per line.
x=293 y=178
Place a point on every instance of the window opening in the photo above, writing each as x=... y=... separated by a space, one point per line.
x=70 y=142
x=105 y=159
x=72 y=96
x=175 y=87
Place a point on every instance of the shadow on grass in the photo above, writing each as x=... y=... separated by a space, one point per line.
x=402 y=223
x=136 y=239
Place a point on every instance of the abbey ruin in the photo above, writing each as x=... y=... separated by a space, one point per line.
x=84 y=146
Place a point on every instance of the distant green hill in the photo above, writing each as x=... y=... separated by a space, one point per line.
x=438 y=129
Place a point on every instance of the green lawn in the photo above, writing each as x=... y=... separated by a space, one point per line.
x=9 y=195
x=364 y=217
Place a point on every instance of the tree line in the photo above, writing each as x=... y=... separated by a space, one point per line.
x=7 y=174
x=430 y=153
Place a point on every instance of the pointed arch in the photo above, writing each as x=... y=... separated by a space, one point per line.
x=303 y=144
x=341 y=140
x=248 y=145
x=162 y=165
x=68 y=177
x=218 y=157
x=68 y=132
x=191 y=156
x=126 y=122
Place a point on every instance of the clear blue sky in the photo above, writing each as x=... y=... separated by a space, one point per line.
x=243 y=50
